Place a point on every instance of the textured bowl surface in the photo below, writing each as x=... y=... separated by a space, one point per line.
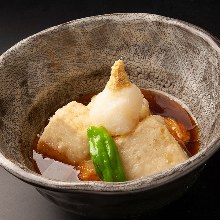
x=49 y=69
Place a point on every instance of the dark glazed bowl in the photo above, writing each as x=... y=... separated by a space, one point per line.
x=49 y=69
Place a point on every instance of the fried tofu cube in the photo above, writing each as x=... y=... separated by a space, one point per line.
x=65 y=137
x=150 y=149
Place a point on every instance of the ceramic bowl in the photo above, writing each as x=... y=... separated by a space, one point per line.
x=49 y=69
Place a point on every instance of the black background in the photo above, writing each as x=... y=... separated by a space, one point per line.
x=20 y=19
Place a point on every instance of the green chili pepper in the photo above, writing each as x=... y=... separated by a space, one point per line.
x=105 y=156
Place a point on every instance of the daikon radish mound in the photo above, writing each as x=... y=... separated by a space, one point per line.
x=150 y=149
x=120 y=106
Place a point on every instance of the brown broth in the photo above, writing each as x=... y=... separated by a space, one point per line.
x=159 y=105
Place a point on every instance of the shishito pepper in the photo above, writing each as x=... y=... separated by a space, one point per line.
x=105 y=156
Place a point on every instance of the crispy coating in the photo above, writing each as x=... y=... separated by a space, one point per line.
x=177 y=129
x=87 y=171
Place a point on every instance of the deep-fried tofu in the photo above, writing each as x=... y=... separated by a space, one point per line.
x=65 y=137
x=149 y=149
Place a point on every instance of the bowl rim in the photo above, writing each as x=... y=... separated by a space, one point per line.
x=145 y=183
